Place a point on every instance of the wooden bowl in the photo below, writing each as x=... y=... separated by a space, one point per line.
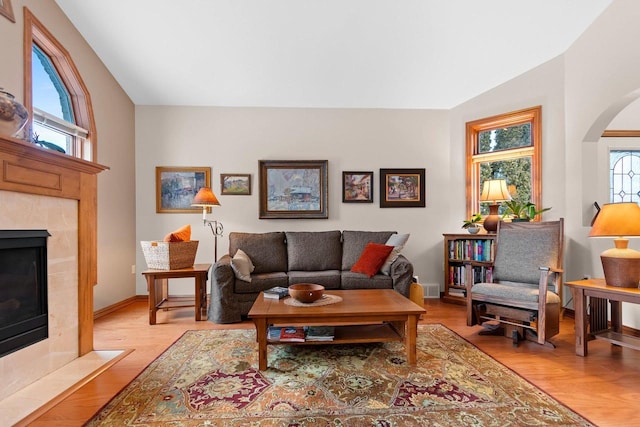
x=306 y=292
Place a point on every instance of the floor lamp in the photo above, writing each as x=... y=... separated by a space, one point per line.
x=493 y=192
x=206 y=199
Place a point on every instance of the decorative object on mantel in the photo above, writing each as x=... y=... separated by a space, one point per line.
x=206 y=199
x=46 y=144
x=493 y=192
x=13 y=115
x=472 y=225
x=621 y=265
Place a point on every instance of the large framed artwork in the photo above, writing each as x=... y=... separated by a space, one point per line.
x=177 y=186
x=293 y=189
x=357 y=187
x=402 y=188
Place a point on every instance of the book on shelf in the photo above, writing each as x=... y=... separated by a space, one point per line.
x=292 y=334
x=277 y=292
x=458 y=292
x=320 y=333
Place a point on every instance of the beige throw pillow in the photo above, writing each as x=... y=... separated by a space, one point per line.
x=242 y=265
x=397 y=241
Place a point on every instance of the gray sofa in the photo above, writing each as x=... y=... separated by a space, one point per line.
x=286 y=258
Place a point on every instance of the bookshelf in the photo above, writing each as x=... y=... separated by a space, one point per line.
x=477 y=249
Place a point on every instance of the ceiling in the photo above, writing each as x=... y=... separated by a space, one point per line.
x=324 y=53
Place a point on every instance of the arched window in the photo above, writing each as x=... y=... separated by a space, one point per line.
x=56 y=95
x=624 y=178
x=509 y=147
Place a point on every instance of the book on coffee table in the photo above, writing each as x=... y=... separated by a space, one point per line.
x=320 y=333
x=277 y=292
x=292 y=334
x=273 y=333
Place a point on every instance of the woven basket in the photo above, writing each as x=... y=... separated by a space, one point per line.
x=169 y=255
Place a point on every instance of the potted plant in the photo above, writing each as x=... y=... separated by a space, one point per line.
x=521 y=211
x=472 y=225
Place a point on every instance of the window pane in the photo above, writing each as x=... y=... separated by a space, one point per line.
x=504 y=138
x=49 y=93
x=517 y=173
x=53 y=136
x=624 y=180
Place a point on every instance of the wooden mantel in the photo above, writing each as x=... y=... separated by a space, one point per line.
x=27 y=168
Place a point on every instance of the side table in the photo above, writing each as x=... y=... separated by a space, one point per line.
x=597 y=320
x=158 y=287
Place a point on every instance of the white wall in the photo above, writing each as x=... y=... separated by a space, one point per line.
x=233 y=140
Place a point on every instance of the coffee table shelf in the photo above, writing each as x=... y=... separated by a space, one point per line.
x=354 y=334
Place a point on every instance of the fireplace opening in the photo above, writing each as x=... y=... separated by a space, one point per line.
x=23 y=289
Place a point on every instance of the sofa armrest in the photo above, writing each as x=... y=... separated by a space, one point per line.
x=222 y=305
x=402 y=275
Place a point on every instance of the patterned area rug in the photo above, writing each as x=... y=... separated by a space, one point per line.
x=210 y=378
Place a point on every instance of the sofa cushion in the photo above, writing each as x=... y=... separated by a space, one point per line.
x=313 y=251
x=330 y=279
x=353 y=243
x=261 y=282
x=372 y=258
x=267 y=251
x=242 y=266
x=352 y=280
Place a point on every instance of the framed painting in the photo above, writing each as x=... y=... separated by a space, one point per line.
x=177 y=186
x=6 y=10
x=357 y=187
x=235 y=184
x=293 y=189
x=402 y=188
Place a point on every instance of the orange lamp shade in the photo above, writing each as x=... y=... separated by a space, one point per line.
x=204 y=198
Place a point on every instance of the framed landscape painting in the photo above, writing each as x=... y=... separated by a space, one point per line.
x=293 y=189
x=357 y=187
x=402 y=188
x=235 y=184
x=177 y=186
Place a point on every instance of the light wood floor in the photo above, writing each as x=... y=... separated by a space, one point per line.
x=603 y=387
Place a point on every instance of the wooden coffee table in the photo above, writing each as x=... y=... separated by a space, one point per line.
x=363 y=316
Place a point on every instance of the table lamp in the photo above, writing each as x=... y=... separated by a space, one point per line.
x=207 y=199
x=621 y=265
x=493 y=192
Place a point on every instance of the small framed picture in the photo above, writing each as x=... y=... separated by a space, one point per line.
x=177 y=186
x=357 y=187
x=402 y=188
x=235 y=184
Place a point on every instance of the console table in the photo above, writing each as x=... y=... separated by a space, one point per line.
x=158 y=287
x=599 y=293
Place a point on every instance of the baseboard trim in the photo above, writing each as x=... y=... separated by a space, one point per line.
x=114 y=307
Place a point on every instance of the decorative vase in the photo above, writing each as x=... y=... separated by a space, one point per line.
x=13 y=116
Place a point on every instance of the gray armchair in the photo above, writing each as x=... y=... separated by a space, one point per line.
x=525 y=295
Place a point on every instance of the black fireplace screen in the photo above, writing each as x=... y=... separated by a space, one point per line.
x=23 y=289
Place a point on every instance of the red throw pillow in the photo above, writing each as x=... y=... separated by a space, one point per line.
x=182 y=234
x=371 y=259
